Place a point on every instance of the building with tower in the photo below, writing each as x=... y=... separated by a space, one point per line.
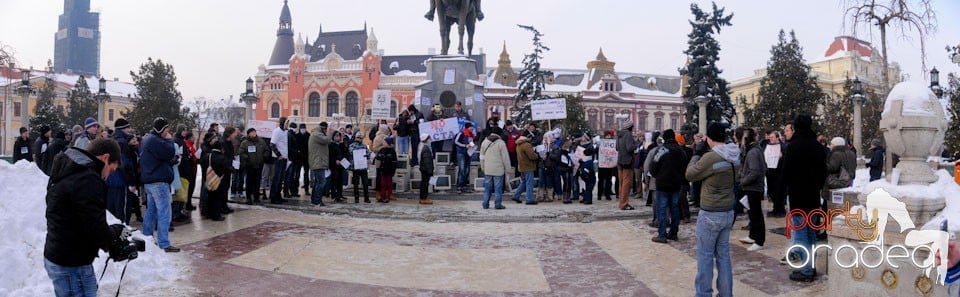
x=77 y=41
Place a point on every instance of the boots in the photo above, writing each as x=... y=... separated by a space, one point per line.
x=426 y=201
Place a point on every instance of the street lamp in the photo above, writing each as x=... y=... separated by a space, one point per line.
x=702 y=99
x=102 y=98
x=935 y=83
x=249 y=98
x=25 y=90
x=858 y=100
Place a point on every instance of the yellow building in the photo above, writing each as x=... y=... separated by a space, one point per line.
x=845 y=57
x=121 y=95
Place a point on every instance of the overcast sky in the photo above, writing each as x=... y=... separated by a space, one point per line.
x=215 y=45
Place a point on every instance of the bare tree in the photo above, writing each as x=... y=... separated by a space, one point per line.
x=904 y=16
x=6 y=55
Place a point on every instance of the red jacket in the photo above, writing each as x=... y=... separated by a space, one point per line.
x=512 y=140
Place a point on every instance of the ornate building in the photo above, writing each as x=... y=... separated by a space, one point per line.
x=650 y=101
x=77 y=41
x=845 y=58
x=333 y=78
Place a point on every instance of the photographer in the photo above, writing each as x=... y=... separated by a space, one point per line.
x=76 y=216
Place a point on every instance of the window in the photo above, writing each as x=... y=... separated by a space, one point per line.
x=642 y=118
x=353 y=104
x=608 y=120
x=296 y=112
x=593 y=119
x=393 y=108
x=16 y=109
x=673 y=123
x=110 y=115
x=333 y=103
x=658 y=124
x=313 y=105
x=275 y=110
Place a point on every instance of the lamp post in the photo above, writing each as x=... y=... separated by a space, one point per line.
x=702 y=100
x=858 y=101
x=102 y=99
x=935 y=83
x=249 y=98
x=25 y=90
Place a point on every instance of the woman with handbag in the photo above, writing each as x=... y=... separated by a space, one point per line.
x=841 y=167
x=216 y=179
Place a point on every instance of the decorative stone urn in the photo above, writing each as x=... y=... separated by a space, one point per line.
x=913 y=125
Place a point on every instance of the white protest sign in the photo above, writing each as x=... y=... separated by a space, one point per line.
x=264 y=128
x=359 y=160
x=608 y=153
x=548 y=109
x=441 y=129
x=381 y=105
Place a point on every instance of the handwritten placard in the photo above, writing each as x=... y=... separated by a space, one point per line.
x=548 y=109
x=608 y=153
x=441 y=129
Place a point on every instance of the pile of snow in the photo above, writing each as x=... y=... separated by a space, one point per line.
x=945 y=186
x=917 y=99
x=23 y=228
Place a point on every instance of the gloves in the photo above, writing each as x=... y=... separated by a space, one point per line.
x=701 y=149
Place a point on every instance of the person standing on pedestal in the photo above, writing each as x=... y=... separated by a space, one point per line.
x=464 y=141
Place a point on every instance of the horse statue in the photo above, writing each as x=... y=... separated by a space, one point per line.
x=465 y=13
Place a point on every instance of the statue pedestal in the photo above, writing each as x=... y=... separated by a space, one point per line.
x=451 y=79
x=920 y=205
x=884 y=280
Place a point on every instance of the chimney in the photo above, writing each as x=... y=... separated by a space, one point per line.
x=432 y=51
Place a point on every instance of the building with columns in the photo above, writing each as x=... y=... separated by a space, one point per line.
x=650 y=101
x=845 y=58
x=333 y=78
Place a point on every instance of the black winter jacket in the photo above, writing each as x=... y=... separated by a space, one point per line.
x=804 y=169
x=76 y=210
x=669 y=166
x=22 y=150
x=876 y=163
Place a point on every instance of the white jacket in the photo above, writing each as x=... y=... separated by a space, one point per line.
x=496 y=160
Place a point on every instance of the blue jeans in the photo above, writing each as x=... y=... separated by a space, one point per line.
x=668 y=202
x=403 y=144
x=492 y=184
x=559 y=179
x=713 y=250
x=526 y=185
x=293 y=177
x=320 y=185
x=463 y=170
x=117 y=202
x=72 y=281
x=279 y=167
x=805 y=237
x=588 y=184
x=158 y=212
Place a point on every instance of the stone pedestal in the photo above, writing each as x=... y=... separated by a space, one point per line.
x=884 y=280
x=451 y=79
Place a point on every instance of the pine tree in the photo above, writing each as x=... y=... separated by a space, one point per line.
x=704 y=52
x=952 y=139
x=156 y=85
x=81 y=103
x=576 y=121
x=45 y=113
x=531 y=80
x=838 y=120
x=787 y=89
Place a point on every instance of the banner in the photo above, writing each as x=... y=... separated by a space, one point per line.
x=381 y=105
x=264 y=128
x=608 y=153
x=441 y=129
x=548 y=109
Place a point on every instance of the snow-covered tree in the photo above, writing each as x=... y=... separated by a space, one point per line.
x=704 y=52
x=45 y=113
x=531 y=80
x=80 y=103
x=576 y=121
x=156 y=85
x=788 y=88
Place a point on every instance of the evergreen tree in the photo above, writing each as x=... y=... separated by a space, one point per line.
x=838 y=120
x=81 y=103
x=952 y=139
x=45 y=113
x=531 y=80
x=787 y=89
x=576 y=121
x=703 y=52
x=156 y=85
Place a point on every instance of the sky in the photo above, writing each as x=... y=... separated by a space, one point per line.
x=214 y=45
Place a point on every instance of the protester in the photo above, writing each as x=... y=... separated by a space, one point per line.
x=495 y=164
x=752 y=174
x=426 y=169
x=669 y=165
x=76 y=219
x=303 y=143
x=253 y=150
x=220 y=164
x=189 y=173
x=91 y=127
x=157 y=155
x=717 y=169
x=122 y=180
x=772 y=152
x=360 y=174
x=336 y=154
x=40 y=148
x=804 y=173
x=279 y=144
x=511 y=134
x=58 y=144
x=626 y=149
x=606 y=173
x=588 y=174
x=464 y=141
x=638 y=159
x=403 y=132
x=319 y=153
x=387 y=163
x=527 y=165
x=876 y=159
x=21 y=146
x=291 y=186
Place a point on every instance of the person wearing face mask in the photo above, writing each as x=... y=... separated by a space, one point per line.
x=303 y=140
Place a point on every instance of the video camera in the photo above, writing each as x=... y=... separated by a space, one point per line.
x=126 y=247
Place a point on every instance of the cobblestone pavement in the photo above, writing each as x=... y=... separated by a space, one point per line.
x=455 y=248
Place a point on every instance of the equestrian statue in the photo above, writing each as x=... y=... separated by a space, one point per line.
x=465 y=13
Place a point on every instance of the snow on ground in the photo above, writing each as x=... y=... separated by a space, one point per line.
x=23 y=230
x=945 y=187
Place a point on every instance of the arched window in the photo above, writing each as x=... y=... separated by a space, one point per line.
x=393 y=108
x=642 y=118
x=608 y=120
x=353 y=104
x=333 y=103
x=593 y=118
x=275 y=110
x=313 y=105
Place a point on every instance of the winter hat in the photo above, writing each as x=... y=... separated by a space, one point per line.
x=348 y=126
x=89 y=122
x=875 y=142
x=838 y=141
x=323 y=124
x=803 y=125
x=293 y=125
x=44 y=129
x=121 y=123
x=159 y=124
x=389 y=140
x=668 y=135
x=716 y=132
x=358 y=135
x=424 y=137
x=303 y=126
x=59 y=135
x=251 y=130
